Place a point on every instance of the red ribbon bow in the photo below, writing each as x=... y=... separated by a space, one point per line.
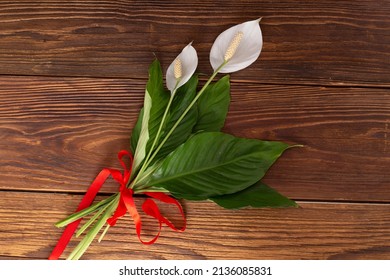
x=126 y=204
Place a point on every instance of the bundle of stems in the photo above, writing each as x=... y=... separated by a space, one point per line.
x=103 y=210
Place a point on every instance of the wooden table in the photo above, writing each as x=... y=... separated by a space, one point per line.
x=72 y=79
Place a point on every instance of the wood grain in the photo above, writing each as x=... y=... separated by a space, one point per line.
x=314 y=231
x=324 y=42
x=72 y=79
x=57 y=133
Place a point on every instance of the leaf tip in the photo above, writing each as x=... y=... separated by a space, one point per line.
x=294 y=204
x=296 y=146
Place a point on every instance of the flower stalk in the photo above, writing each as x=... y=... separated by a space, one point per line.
x=199 y=94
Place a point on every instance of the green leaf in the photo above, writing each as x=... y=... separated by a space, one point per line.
x=184 y=95
x=155 y=102
x=213 y=163
x=140 y=151
x=136 y=131
x=259 y=195
x=213 y=106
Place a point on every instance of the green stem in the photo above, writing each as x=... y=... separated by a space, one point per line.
x=104 y=233
x=150 y=189
x=144 y=176
x=184 y=113
x=87 y=240
x=91 y=220
x=84 y=212
x=144 y=166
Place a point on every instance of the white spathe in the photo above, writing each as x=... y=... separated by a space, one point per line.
x=182 y=68
x=246 y=40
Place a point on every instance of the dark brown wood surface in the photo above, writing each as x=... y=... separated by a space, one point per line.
x=213 y=232
x=72 y=77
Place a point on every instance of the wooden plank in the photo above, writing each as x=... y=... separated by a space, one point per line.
x=328 y=42
x=58 y=133
x=314 y=231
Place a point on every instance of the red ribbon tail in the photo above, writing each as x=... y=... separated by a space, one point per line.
x=166 y=199
x=64 y=240
x=85 y=202
x=150 y=208
x=128 y=201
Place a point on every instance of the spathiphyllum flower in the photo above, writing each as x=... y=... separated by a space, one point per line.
x=237 y=47
x=182 y=68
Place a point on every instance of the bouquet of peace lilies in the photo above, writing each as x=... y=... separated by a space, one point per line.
x=177 y=149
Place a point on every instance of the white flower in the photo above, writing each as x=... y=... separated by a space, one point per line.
x=182 y=68
x=237 y=47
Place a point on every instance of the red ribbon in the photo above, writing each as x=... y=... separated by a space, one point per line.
x=126 y=204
